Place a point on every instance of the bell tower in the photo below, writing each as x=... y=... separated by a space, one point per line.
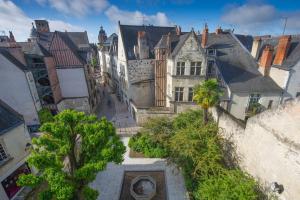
x=102 y=35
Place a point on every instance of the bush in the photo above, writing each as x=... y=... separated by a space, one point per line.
x=45 y=115
x=198 y=150
x=144 y=144
x=229 y=185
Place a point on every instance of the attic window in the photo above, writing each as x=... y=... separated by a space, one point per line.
x=211 y=52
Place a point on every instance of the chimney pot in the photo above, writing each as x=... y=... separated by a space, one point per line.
x=219 y=30
x=282 y=49
x=204 y=37
x=178 y=30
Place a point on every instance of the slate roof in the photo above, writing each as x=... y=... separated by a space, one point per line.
x=246 y=40
x=33 y=48
x=293 y=55
x=9 y=118
x=153 y=33
x=12 y=59
x=237 y=67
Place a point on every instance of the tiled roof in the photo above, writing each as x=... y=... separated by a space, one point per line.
x=8 y=118
x=153 y=33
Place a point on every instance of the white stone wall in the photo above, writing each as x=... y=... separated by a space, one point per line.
x=14 y=143
x=239 y=103
x=269 y=146
x=15 y=91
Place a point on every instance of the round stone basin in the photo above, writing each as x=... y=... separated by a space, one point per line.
x=143 y=188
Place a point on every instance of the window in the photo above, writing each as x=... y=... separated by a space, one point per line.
x=211 y=52
x=178 y=93
x=210 y=65
x=254 y=98
x=180 y=68
x=298 y=94
x=3 y=154
x=191 y=94
x=195 y=68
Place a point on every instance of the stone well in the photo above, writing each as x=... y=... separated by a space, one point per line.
x=143 y=187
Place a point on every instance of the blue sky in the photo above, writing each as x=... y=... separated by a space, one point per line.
x=248 y=17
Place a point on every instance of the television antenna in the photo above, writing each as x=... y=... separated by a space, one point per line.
x=284 y=27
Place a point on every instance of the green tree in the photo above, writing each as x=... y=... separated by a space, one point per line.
x=73 y=148
x=207 y=95
x=45 y=115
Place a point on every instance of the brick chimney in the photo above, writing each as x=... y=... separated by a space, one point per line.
x=143 y=48
x=255 y=47
x=219 y=30
x=282 y=49
x=178 y=30
x=266 y=60
x=204 y=36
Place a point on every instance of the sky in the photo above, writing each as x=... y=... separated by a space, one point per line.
x=255 y=17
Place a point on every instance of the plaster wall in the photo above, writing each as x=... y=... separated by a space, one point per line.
x=14 y=143
x=16 y=92
x=239 y=103
x=72 y=82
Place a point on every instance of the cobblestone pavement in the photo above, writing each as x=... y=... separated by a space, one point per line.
x=109 y=182
x=116 y=112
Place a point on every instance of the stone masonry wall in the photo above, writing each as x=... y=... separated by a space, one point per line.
x=268 y=146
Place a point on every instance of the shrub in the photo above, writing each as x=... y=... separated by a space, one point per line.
x=229 y=185
x=144 y=144
x=45 y=116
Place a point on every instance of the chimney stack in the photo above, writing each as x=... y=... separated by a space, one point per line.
x=266 y=60
x=204 y=36
x=143 y=48
x=255 y=47
x=178 y=30
x=219 y=30
x=282 y=49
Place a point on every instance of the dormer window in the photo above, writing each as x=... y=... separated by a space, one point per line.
x=211 y=52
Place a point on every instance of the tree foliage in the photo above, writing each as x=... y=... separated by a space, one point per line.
x=45 y=115
x=72 y=150
x=207 y=95
x=197 y=149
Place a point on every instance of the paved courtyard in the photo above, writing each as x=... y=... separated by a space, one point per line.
x=109 y=182
x=115 y=111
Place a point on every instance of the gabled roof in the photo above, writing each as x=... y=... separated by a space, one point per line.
x=237 y=67
x=153 y=33
x=12 y=59
x=72 y=46
x=293 y=55
x=9 y=118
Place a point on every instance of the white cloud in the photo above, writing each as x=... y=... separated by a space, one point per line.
x=12 y=18
x=261 y=19
x=76 y=7
x=136 y=17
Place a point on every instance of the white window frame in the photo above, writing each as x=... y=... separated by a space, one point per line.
x=181 y=67
x=196 y=67
x=179 y=91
